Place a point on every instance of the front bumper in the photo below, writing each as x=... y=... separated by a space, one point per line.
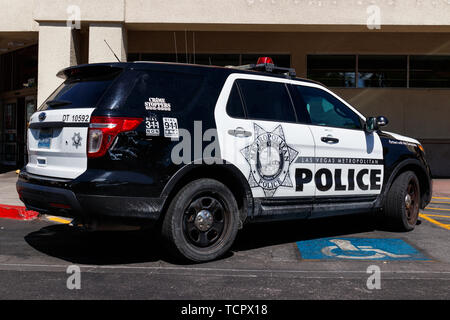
x=55 y=196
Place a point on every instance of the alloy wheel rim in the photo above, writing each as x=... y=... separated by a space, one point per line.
x=204 y=221
x=412 y=201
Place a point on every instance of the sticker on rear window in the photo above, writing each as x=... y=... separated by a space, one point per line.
x=151 y=126
x=171 y=128
x=158 y=104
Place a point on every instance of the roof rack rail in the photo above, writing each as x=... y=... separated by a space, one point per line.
x=267 y=67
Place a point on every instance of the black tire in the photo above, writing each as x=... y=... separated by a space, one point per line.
x=201 y=221
x=402 y=202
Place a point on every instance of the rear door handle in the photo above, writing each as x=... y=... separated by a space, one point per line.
x=239 y=132
x=329 y=140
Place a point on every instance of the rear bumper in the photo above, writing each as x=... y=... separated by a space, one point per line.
x=54 y=196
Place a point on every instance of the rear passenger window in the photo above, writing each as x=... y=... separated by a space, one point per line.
x=235 y=108
x=165 y=91
x=266 y=100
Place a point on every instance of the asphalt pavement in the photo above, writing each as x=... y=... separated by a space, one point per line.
x=329 y=258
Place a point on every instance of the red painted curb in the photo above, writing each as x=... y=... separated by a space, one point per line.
x=17 y=212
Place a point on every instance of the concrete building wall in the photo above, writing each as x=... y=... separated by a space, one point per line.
x=17 y=16
x=106 y=42
x=56 y=51
x=279 y=13
x=235 y=14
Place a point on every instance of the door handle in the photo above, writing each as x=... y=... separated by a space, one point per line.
x=329 y=140
x=239 y=132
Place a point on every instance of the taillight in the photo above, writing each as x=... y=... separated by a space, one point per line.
x=103 y=131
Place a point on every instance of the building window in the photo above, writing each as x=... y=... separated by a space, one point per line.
x=380 y=71
x=18 y=69
x=332 y=70
x=213 y=59
x=429 y=71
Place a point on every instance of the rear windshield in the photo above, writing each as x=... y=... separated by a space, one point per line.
x=78 y=93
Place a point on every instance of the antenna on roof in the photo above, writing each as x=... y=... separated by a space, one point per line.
x=186 y=44
x=112 y=50
x=175 y=42
x=193 y=41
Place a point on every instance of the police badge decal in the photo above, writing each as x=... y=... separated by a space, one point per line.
x=269 y=158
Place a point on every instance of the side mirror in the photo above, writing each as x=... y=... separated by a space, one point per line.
x=371 y=125
x=382 y=121
x=374 y=124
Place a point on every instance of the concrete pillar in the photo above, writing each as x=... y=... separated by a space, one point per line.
x=116 y=36
x=56 y=51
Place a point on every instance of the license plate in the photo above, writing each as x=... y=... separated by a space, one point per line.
x=45 y=137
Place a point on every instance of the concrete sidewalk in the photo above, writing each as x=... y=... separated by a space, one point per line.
x=8 y=193
x=441 y=187
x=9 y=196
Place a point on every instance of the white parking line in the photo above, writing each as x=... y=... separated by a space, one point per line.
x=234 y=270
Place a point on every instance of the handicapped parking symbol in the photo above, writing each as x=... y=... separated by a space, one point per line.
x=344 y=249
x=352 y=248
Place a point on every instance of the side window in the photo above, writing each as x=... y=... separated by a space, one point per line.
x=235 y=108
x=266 y=100
x=325 y=110
x=164 y=91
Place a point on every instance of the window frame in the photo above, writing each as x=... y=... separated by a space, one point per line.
x=232 y=77
x=357 y=55
x=235 y=83
x=361 y=120
x=247 y=117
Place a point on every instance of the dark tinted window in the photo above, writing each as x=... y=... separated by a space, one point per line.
x=266 y=100
x=382 y=71
x=235 y=108
x=300 y=106
x=83 y=93
x=325 y=110
x=332 y=70
x=169 y=90
x=429 y=71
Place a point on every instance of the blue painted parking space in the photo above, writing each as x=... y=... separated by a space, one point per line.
x=358 y=249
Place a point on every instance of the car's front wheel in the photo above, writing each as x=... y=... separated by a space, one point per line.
x=201 y=221
x=403 y=201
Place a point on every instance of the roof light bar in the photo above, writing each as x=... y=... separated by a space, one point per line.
x=266 y=64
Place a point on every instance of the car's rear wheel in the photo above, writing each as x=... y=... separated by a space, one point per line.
x=201 y=221
x=403 y=201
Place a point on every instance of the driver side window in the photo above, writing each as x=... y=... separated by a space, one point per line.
x=325 y=110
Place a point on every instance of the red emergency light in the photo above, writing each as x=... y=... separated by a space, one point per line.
x=263 y=60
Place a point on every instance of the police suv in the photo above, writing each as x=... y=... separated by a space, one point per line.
x=203 y=150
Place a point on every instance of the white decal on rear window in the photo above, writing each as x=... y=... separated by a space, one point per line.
x=170 y=128
x=158 y=104
x=151 y=126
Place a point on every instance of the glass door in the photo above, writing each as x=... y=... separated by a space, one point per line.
x=30 y=108
x=10 y=133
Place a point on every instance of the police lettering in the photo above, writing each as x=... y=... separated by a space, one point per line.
x=325 y=179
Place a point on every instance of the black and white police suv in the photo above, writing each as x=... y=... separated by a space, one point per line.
x=203 y=150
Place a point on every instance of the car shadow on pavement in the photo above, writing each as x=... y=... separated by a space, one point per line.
x=275 y=233
x=97 y=248
x=124 y=247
